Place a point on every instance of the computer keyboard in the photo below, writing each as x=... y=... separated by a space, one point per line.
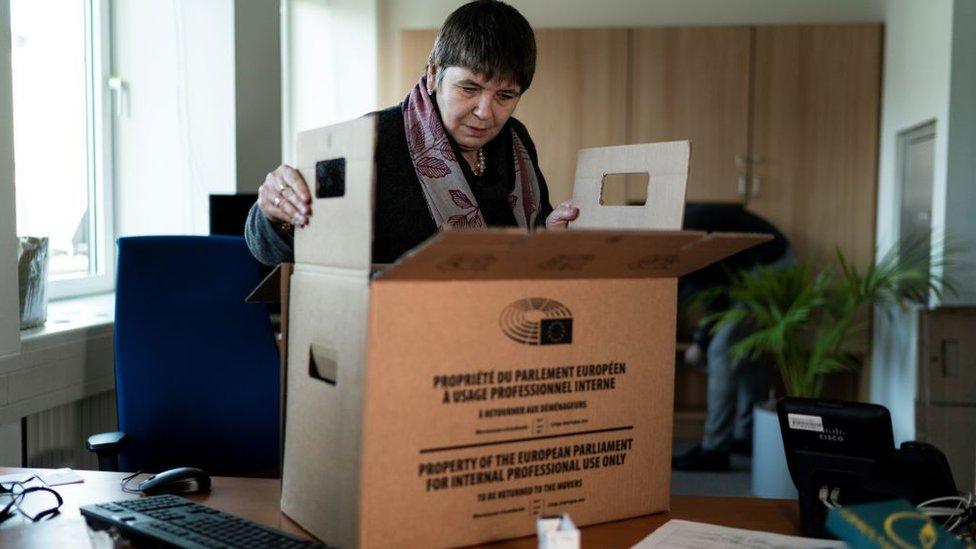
x=173 y=521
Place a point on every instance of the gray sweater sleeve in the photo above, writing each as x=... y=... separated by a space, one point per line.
x=267 y=243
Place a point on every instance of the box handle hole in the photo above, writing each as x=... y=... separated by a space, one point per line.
x=624 y=189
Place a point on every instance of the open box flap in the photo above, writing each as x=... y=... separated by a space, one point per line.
x=337 y=164
x=269 y=289
x=666 y=166
x=496 y=254
x=276 y=288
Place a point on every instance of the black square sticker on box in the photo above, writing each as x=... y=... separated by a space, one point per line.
x=555 y=331
x=330 y=178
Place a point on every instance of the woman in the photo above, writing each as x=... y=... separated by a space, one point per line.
x=450 y=154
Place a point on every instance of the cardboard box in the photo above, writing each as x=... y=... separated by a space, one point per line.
x=945 y=404
x=487 y=377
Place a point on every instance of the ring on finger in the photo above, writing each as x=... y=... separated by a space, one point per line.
x=276 y=201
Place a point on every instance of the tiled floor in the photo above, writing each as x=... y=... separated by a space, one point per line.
x=735 y=483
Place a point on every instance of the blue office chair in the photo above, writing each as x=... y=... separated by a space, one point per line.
x=196 y=368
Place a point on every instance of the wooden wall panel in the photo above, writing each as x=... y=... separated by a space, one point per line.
x=578 y=99
x=413 y=47
x=693 y=83
x=815 y=135
x=815 y=92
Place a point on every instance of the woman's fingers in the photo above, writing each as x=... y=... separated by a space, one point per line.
x=284 y=197
x=268 y=200
x=562 y=215
x=293 y=180
x=294 y=190
x=290 y=213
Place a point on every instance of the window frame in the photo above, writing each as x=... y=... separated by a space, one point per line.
x=100 y=159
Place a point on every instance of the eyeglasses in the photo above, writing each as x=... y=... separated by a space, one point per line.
x=42 y=503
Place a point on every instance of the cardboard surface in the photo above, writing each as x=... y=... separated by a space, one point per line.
x=946 y=400
x=947 y=356
x=496 y=254
x=449 y=442
x=666 y=165
x=276 y=288
x=269 y=289
x=340 y=229
x=487 y=377
x=320 y=481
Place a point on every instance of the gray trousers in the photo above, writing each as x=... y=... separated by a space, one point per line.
x=734 y=387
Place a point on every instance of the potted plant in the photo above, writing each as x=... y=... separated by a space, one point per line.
x=810 y=324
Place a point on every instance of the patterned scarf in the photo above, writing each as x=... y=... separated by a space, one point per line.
x=448 y=195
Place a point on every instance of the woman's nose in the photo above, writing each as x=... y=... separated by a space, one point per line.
x=483 y=108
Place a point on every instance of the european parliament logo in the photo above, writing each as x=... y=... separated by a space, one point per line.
x=537 y=321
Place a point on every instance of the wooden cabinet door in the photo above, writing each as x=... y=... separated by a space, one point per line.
x=815 y=136
x=413 y=47
x=693 y=83
x=578 y=99
x=578 y=96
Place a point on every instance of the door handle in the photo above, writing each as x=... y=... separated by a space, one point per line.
x=120 y=92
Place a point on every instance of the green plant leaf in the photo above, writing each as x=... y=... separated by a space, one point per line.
x=804 y=321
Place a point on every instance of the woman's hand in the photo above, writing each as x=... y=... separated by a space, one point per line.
x=284 y=197
x=562 y=215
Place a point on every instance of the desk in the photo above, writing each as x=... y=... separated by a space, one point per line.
x=257 y=500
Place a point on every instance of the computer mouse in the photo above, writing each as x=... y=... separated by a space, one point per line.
x=181 y=480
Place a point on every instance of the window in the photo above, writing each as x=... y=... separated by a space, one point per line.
x=62 y=138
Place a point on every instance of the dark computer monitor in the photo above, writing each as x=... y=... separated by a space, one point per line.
x=228 y=212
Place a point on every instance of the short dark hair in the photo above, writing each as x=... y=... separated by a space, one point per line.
x=490 y=38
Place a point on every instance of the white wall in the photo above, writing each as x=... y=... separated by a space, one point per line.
x=176 y=144
x=930 y=73
x=915 y=90
x=960 y=196
x=257 y=77
x=9 y=300
x=427 y=14
x=330 y=56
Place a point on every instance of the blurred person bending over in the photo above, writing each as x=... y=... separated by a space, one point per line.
x=734 y=386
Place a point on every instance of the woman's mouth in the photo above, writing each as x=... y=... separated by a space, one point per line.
x=475 y=132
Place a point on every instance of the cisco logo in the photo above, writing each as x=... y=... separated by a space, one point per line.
x=537 y=321
x=833 y=435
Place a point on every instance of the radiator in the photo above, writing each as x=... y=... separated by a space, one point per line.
x=56 y=438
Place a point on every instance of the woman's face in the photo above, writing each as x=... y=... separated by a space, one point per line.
x=473 y=110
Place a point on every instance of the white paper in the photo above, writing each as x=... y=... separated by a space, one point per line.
x=58 y=477
x=683 y=534
x=557 y=533
x=66 y=531
x=805 y=422
x=16 y=477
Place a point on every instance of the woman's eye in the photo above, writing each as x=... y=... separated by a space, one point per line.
x=470 y=91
